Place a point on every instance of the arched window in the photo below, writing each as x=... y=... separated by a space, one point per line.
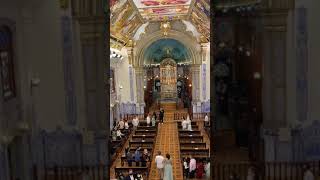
x=6 y=63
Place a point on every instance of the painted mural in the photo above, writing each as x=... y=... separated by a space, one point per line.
x=201 y=22
x=166 y=48
x=157 y=9
x=124 y=20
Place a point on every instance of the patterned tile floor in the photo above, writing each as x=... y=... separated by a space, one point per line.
x=168 y=142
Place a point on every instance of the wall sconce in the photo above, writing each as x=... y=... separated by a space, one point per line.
x=190 y=85
x=120 y=86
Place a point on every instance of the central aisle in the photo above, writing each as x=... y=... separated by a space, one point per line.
x=167 y=142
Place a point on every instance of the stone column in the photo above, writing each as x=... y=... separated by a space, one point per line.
x=139 y=88
x=95 y=75
x=195 y=71
x=204 y=49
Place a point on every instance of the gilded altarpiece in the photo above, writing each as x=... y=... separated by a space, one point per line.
x=168 y=79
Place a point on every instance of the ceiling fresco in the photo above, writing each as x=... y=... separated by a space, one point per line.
x=126 y=16
x=159 y=9
x=124 y=20
x=166 y=48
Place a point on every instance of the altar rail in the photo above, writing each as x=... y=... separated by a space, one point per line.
x=131 y=116
x=265 y=171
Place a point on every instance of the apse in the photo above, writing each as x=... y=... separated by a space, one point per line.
x=166 y=48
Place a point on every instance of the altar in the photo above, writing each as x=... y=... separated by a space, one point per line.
x=168 y=80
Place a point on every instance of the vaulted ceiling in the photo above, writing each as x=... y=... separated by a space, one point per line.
x=128 y=15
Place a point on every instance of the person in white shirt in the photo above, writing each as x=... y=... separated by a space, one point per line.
x=206 y=120
x=189 y=127
x=126 y=125
x=121 y=124
x=192 y=167
x=159 y=161
x=119 y=134
x=148 y=120
x=188 y=120
x=135 y=122
x=207 y=169
x=308 y=175
x=184 y=124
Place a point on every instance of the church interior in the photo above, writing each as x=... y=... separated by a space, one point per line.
x=159 y=89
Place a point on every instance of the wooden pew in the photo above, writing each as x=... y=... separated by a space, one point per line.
x=192 y=123
x=192 y=145
x=146 y=128
x=144 y=136
x=186 y=132
x=141 y=144
x=188 y=138
x=195 y=127
x=139 y=132
x=140 y=138
x=124 y=170
x=197 y=152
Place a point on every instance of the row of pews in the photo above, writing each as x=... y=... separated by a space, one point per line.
x=144 y=137
x=192 y=142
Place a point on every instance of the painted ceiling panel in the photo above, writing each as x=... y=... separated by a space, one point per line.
x=124 y=20
x=159 y=9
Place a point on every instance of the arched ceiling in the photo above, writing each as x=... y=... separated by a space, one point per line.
x=126 y=16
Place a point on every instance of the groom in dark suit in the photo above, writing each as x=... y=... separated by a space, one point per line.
x=131 y=176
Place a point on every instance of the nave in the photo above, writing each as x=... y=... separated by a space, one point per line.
x=167 y=137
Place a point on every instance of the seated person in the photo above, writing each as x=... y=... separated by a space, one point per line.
x=143 y=160
x=131 y=176
x=114 y=135
x=121 y=124
x=129 y=158
x=206 y=120
x=137 y=156
x=126 y=125
x=119 y=134
x=147 y=154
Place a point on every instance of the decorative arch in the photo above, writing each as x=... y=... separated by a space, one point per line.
x=188 y=41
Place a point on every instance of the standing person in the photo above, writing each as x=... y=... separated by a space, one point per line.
x=186 y=168
x=153 y=121
x=137 y=156
x=135 y=122
x=168 y=174
x=126 y=125
x=200 y=170
x=159 y=161
x=188 y=120
x=129 y=158
x=184 y=123
x=155 y=115
x=192 y=167
x=308 y=175
x=161 y=116
x=206 y=120
x=207 y=169
x=148 y=120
